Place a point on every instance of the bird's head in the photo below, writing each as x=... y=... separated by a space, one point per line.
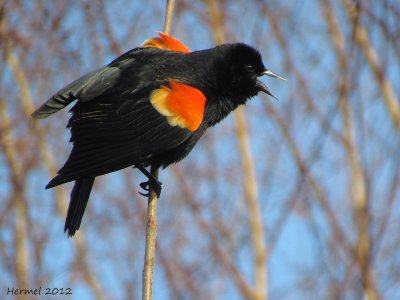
x=239 y=68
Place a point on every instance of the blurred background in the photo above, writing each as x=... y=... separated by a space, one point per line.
x=290 y=199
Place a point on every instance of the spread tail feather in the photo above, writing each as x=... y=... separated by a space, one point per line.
x=77 y=205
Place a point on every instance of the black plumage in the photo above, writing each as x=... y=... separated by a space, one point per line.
x=114 y=124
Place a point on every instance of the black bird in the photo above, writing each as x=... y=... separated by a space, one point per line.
x=149 y=107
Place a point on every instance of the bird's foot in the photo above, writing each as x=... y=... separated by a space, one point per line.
x=153 y=184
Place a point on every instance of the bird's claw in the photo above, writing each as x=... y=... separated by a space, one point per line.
x=155 y=185
x=152 y=183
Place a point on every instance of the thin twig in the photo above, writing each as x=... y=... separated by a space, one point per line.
x=151 y=227
x=151 y=234
x=168 y=16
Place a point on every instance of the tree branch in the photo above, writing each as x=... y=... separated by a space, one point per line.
x=251 y=198
x=151 y=228
x=357 y=176
x=150 y=249
x=361 y=37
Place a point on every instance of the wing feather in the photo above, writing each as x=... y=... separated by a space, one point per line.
x=85 y=88
x=89 y=86
x=114 y=133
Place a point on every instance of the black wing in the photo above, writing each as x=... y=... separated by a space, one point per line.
x=85 y=88
x=116 y=132
x=91 y=85
x=114 y=125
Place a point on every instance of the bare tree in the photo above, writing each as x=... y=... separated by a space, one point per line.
x=289 y=199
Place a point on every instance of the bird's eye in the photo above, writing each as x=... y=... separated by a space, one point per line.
x=249 y=68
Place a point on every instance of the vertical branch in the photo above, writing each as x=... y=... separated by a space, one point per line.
x=151 y=227
x=249 y=181
x=168 y=16
x=7 y=143
x=47 y=159
x=359 y=190
x=253 y=206
x=150 y=248
x=361 y=37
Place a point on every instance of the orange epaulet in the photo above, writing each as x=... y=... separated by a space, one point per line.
x=181 y=104
x=167 y=42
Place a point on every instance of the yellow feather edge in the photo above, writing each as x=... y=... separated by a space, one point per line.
x=158 y=99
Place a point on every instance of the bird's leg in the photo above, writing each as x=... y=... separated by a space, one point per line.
x=152 y=182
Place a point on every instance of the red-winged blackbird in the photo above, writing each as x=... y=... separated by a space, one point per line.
x=149 y=107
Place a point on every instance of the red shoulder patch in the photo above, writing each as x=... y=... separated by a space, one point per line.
x=182 y=104
x=167 y=42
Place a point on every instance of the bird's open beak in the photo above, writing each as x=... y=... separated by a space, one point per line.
x=270 y=74
x=262 y=87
